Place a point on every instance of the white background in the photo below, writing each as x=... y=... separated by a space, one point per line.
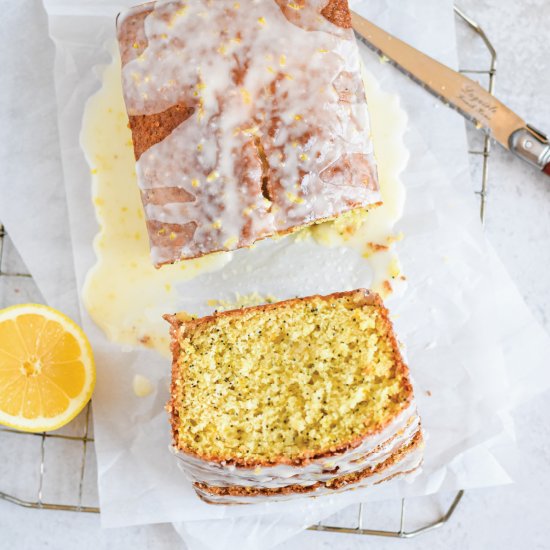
x=518 y=224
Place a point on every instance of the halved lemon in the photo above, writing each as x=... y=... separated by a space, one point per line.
x=47 y=371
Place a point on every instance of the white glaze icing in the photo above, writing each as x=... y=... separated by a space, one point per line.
x=253 y=77
x=409 y=466
x=372 y=451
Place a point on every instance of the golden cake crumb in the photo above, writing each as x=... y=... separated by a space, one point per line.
x=290 y=379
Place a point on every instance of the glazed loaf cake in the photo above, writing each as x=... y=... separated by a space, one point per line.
x=248 y=119
x=302 y=397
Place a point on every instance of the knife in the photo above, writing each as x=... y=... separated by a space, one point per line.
x=461 y=93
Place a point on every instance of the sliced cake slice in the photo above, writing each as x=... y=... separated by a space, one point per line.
x=301 y=397
x=248 y=120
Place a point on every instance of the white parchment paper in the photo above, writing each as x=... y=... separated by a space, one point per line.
x=471 y=342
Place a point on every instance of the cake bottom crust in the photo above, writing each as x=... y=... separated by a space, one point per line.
x=393 y=466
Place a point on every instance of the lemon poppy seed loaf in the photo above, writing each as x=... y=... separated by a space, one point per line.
x=305 y=396
x=249 y=120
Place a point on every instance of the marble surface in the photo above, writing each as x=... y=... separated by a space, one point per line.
x=518 y=225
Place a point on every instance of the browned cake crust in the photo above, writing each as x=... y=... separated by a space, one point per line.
x=335 y=483
x=131 y=31
x=360 y=297
x=150 y=129
x=337 y=12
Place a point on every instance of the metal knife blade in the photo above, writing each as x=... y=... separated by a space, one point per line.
x=459 y=92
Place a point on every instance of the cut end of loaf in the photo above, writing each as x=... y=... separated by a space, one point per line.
x=285 y=382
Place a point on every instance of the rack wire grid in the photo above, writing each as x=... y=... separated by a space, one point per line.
x=65 y=459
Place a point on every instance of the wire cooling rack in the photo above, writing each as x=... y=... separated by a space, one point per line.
x=64 y=463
